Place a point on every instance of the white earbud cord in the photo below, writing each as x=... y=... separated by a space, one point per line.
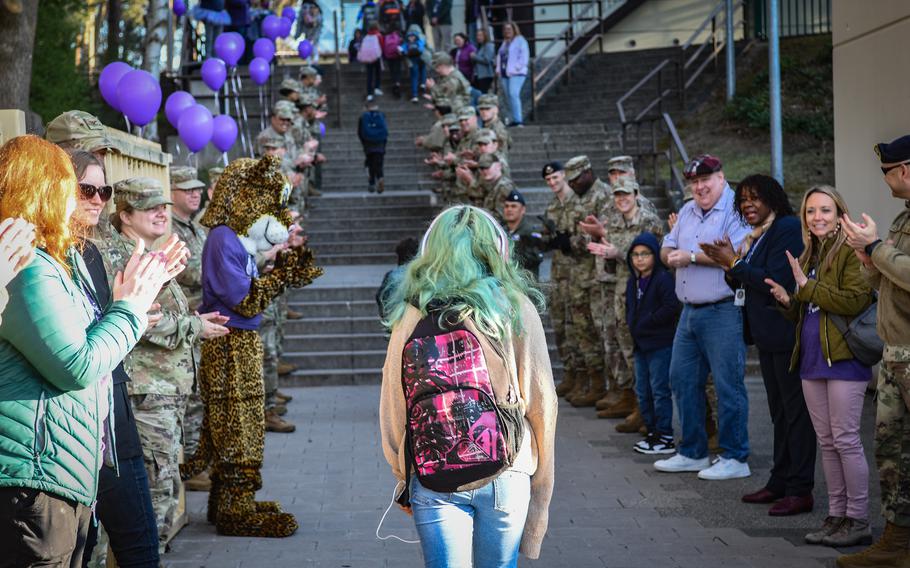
x=382 y=520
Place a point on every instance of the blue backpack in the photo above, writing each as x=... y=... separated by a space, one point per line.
x=373 y=127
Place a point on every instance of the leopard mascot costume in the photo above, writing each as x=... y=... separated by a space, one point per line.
x=248 y=214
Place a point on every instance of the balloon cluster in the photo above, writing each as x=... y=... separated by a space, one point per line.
x=274 y=27
x=133 y=92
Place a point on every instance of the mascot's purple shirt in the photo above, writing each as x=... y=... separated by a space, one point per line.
x=227 y=270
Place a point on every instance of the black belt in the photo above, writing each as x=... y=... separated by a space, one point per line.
x=696 y=306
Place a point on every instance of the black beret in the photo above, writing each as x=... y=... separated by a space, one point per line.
x=551 y=168
x=896 y=151
x=516 y=197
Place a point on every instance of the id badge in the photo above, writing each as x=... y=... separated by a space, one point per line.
x=739 y=299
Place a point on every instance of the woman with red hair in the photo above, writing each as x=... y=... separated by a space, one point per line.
x=58 y=346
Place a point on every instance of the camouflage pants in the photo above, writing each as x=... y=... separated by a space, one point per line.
x=159 y=420
x=586 y=336
x=270 y=332
x=558 y=308
x=892 y=434
x=624 y=366
x=192 y=421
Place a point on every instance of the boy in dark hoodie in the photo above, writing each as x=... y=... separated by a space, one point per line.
x=651 y=312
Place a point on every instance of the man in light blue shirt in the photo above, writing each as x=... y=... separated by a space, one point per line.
x=709 y=336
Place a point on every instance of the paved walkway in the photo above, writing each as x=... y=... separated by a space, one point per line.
x=610 y=507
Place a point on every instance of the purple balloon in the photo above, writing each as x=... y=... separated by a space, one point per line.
x=229 y=47
x=304 y=49
x=259 y=70
x=195 y=127
x=179 y=8
x=271 y=27
x=214 y=73
x=289 y=13
x=140 y=96
x=107 y=81
x=224 y=132
x=264 y=48
x=286 y=26
x=322 y=129
x=176 y=103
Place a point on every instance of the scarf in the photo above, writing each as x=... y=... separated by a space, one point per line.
x=756 y=234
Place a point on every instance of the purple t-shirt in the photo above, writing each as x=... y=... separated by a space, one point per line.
x=227 y=272
x=812 y=363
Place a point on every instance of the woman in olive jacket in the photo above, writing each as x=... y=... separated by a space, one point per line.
x=829 y=282
x=57 y=350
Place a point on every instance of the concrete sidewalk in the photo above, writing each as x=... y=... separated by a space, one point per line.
x=610 y=507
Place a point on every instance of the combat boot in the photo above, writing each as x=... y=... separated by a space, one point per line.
x=278 y=408
x=200 y=482
x=274 y=423
x=294 y=314
x=632 y=424
x=609 y=399
x=596 y=390
x=285 y=368
x=580 y=388
x=283 y=398
x=626 y=405
x=891 y=551
x=567 y=383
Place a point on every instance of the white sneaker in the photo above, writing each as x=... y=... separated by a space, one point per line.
x=369 y=97
x=377 y=92
x=680 y=463
x=725 y=468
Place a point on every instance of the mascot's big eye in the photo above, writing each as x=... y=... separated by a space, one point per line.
x=285 y=194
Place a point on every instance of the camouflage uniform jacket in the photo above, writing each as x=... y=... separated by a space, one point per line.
x=190 y=280
x=495 y=195
x=163 y=361
x=436 y=138
x=453 y=88
x=891 y=277
x=502 y=133
x=591 y=203
x=301 y=134
x=290 y=143
x=620 y=233
x=560 y=213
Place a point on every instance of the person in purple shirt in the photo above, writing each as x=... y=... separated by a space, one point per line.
x=709 y=335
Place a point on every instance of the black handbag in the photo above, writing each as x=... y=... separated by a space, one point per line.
x=861 y=335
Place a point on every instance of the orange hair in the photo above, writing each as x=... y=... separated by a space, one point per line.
x=38 y=183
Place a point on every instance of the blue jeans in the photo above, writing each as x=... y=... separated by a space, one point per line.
x=652 y=385
x=418 y=74
x=512 y=86
x=125 y=509
x=709 y=338
x=487 y=523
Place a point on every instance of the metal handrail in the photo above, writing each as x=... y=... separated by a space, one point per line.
x=638 y=85
x=558 y=38
x=571 y=63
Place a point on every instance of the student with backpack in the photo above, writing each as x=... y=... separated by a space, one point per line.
x=391 y=54
x=370 y=54
x=373 y=133
x=468 y=407
x=651 y=313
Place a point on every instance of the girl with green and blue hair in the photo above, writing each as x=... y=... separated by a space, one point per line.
x=465 y=273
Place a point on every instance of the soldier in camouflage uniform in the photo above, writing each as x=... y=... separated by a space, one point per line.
x=494 y=184
x=488 y=107
x=887 y=266
x=434 y=140
x=269 y=142
x=186 y=193
x=622 y=222
x=162 y=366
x=443 y=161
x=309 y=78
x=467 y=171
x=451 y=85
x=310 y=124
x=557 y=227
x=587 y=305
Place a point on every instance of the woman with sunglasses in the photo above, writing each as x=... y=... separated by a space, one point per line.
x=124 y=501
x=465 y=283
x=58 y=346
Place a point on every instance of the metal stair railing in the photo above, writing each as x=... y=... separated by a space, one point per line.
x=671 y=79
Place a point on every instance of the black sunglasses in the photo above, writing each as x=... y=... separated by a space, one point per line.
x=889 y=168
x=104 y=192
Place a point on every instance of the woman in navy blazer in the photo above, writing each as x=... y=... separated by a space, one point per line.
x=762 y=202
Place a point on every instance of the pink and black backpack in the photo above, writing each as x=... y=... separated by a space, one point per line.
x=457 y=432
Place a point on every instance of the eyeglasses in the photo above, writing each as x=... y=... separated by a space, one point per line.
x=104 y=191
x=889 y=168
x=641 y=254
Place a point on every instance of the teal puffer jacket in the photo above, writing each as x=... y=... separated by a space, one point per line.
x=52 y=355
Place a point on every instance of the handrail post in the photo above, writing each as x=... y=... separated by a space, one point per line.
x=566 y=54
x=533 y=93
x=600 y=26
x=660 y=92
x=337 y=71
x=714 y=42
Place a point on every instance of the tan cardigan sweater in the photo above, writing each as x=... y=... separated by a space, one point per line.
x=527 y=364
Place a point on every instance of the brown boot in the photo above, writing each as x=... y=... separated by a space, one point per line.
x=624 y=407
x=891 y=551
x=567 y=383
x=597 y=389
x=609 y=399
x=293 y=314
x=285 y=368
x=274 y=423
x=279 y=409
x=282 y=397
x=314 y=192
x=632 y=424
x=200 y=482
x=580 y=388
